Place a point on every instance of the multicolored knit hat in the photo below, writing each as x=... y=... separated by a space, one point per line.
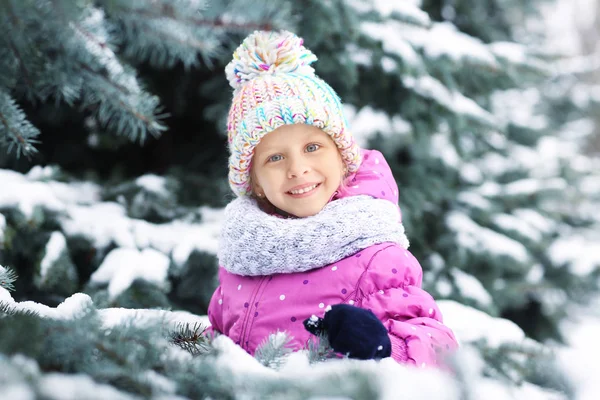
x=274 y=86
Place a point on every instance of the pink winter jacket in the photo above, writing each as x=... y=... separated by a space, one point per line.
x=384 y=278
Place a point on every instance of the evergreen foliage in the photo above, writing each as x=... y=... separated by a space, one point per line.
x=119 y=108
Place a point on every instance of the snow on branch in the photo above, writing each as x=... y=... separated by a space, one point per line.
x=454 y=101
x=484 y=240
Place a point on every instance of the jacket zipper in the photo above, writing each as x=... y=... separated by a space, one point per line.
x=249 y=312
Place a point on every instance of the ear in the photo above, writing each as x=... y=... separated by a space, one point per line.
x=258 y=191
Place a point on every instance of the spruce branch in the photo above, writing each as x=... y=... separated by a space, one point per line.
x=119 y=112
x=162 y=10
x=319 y=349
x=23 y=68
x=7 y=277
x=7 y=309
x=274 y=349
x=15 y=130
x=512 y=362
x=192 y=339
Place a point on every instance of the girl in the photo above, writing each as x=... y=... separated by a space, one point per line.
x=313 y=244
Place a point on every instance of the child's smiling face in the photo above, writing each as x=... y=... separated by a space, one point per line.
x=297 y=168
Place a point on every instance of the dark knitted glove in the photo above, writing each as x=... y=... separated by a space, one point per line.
x=352 y=331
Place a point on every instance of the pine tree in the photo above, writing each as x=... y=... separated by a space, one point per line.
x=118 y=108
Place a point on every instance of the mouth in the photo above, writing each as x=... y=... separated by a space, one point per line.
x=305 y=191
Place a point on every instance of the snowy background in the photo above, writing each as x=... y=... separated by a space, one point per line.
x=146 y=251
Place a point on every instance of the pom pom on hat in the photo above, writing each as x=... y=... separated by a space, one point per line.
x=268 y=53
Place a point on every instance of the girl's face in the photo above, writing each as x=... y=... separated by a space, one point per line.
x=297 y=168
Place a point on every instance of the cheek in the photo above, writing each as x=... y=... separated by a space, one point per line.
x=266 y=178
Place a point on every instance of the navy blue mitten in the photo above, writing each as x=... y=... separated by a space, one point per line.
x=352 y=331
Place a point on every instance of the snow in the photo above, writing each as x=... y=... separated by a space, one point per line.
x=530 y=186
x=481 y=240
x=122 y=266
x=144 y=317
x=76 y=387
x=510 y=222
x=39 y=173
x=368 y=121
x=18 y=392
x=54 y=248
x=432 y=88
x=388 y=64
x=2 y=228
x=581 y=353
x=445 y=40
x=589 y=185
x=470 y=287
x=152 y=183
x=107 y=222
x=406 y=9
x=518 y=106
x=241 y=369
x=27 y=194
x=444 y=149
x=389 y=33
x=358 y=55
x=471 y=325
x=535 y=274
x=470 y=173
x=5 y=296
x=474 y=200
x=72 y=307
x=581 y=253
x=535 y=219
x=513 y=52
x=563 y=20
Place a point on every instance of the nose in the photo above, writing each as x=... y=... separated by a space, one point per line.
x=297 y=167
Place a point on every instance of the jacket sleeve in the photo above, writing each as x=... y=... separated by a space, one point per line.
x=391 y=289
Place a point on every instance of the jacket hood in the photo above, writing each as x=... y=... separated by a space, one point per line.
x=374 y=178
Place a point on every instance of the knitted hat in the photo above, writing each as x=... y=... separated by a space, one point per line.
x=274 y=86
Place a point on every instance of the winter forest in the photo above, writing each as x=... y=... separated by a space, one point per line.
x=113 y=182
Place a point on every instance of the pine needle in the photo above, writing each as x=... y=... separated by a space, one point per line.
x=273 y=351
x=7 y=277
x=192 y=339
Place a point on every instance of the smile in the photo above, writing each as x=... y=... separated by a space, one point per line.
x=304 y=190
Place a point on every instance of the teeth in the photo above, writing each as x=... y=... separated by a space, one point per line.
x=306 y=189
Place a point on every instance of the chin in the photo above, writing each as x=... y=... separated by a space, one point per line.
x=306 y=211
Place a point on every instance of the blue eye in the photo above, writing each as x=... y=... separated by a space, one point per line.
x=312 y=147
x=276 y=157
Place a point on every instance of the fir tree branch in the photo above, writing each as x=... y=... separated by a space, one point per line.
x=104 y=76
x=166 y=10
x=192 y=339
x=89 y=35
x=319 y=349
x=7 y=277
x=151 y=125
x=7 y=309
x=17 y=26
x=17 y=130
x=274 y=349
x=24 y=70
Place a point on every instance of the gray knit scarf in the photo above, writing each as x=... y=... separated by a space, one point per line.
x=256 y=243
